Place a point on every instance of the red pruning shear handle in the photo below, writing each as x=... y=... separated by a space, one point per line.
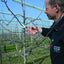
x=33 y=28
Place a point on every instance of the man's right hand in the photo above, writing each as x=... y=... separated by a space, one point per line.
x=32 y=30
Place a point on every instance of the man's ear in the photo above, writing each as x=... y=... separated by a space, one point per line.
x=57 y=8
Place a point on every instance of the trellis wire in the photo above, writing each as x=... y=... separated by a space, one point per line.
x=24 y=34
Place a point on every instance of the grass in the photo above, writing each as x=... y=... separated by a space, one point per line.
x=36 y=57
x=35 y=54
x=42 y=60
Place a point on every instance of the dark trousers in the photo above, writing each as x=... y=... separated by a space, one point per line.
x=57 y=59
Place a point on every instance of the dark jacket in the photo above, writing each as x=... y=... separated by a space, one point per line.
x=57 y=34
x=57 y=37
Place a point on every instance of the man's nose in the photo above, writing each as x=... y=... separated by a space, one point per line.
x=45 y=11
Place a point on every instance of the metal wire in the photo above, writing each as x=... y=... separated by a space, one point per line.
x=24 y=33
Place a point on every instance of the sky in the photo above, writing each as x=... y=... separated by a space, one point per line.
x=16 y=8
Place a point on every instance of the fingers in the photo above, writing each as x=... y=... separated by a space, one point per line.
x=28 y=30
x=32 y=31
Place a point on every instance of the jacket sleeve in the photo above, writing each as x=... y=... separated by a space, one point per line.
x=45 y=31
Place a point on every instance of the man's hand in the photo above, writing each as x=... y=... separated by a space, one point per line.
x=32 y=30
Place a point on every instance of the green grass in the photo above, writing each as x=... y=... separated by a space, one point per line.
x=36 y=54
x=42 y=60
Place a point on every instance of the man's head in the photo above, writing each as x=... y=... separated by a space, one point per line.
x=54 y=8
x=59 y=2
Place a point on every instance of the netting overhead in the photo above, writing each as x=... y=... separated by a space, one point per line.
x=15 y=41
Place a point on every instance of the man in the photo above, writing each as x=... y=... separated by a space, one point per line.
x=54 y=10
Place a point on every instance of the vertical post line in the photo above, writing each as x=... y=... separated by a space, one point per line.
x=24 y=33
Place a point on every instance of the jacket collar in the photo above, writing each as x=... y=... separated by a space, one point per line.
x=58 y=25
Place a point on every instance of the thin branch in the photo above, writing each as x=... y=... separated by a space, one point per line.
x=13 y=13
